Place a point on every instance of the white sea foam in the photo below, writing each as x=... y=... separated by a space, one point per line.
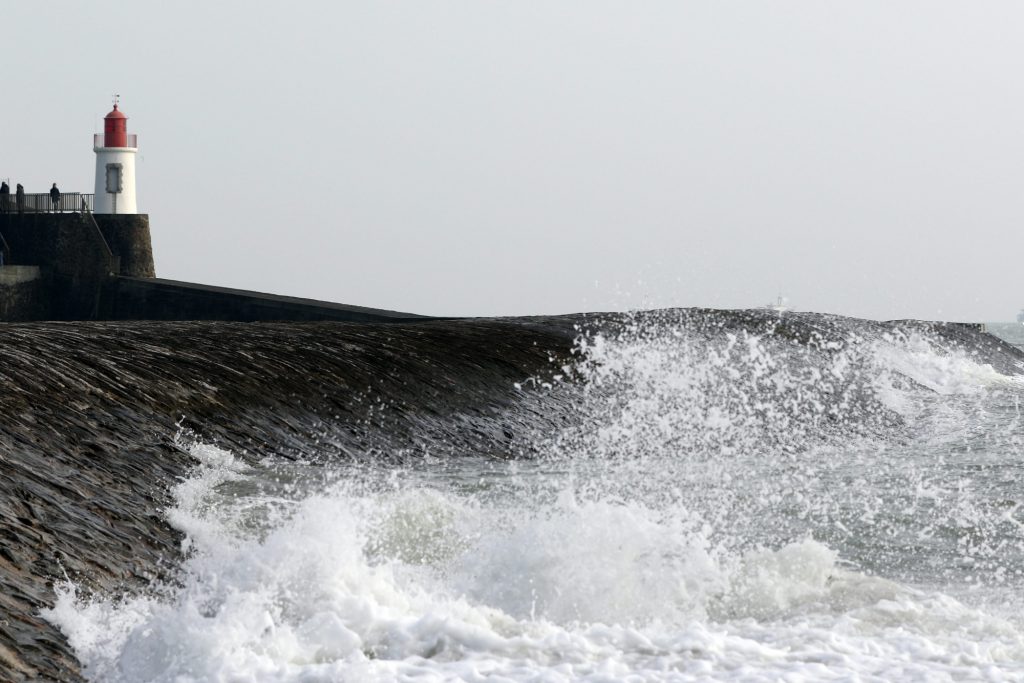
x=576 y=592
x=943 y=372
x=670 y=538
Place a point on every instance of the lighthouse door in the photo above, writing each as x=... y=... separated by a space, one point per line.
x=114 y=183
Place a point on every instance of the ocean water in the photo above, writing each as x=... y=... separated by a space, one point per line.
x=729 y=508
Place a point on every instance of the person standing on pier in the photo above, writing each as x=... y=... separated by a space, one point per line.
x=19 y=198
x=55 y=197
x=5 y=197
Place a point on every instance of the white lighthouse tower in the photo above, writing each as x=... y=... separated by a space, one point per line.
x=115 y=165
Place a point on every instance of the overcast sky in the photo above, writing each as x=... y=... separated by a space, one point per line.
x=497 y=158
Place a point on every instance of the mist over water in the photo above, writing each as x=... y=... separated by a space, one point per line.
x=728 y=505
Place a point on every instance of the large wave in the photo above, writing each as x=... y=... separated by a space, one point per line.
x=704 y=495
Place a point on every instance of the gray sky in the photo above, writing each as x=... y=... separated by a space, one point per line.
x=493 y=158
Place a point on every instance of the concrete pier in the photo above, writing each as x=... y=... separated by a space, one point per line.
x=100 y=267
x=132 y=298
x=22 y=293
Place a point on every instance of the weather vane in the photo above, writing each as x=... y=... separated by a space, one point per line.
x=117 y=99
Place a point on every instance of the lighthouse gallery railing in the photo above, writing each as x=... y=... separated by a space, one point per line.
x=42 y=203
x=132 y=140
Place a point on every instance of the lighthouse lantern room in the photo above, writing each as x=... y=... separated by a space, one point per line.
x=115 y=165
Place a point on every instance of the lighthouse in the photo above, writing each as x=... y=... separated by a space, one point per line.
x=115 y=166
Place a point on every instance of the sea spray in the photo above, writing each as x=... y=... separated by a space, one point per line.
x=724 y=506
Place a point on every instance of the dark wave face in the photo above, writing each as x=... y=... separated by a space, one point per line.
x=766 y=428
x=91 y=412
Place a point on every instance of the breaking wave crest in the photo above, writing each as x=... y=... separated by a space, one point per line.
x=723 y=504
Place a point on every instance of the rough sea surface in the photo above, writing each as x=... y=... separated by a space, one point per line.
x=677 y=495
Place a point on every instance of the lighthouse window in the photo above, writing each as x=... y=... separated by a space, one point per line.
x=114 y=185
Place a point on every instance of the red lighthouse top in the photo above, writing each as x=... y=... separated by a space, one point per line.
x=115 y=129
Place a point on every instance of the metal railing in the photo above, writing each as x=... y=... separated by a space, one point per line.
x=132 y=140
x=69 y=202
